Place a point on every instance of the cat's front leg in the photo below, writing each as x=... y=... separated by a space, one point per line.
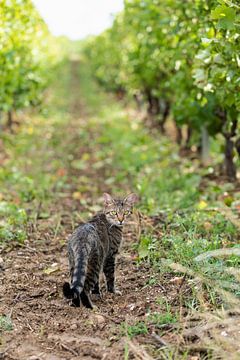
x=96 y=291
x=109 y=272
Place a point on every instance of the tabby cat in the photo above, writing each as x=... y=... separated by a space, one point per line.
x=93 y=247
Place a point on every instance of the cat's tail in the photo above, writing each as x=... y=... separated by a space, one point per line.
x=71 y=293
x=68 y=292
x=75 y=290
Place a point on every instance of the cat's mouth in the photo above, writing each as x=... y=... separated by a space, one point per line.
x=117 y=225
x=120 y=224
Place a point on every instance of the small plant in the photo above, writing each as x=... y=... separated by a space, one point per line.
x=5 y=323
x=161 y=319
x=12 y=223
x=144 y=247
x=137 y=329
x=166 y=315
x=151 y=281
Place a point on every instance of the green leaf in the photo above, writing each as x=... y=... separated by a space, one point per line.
x=143 y=249
x=225 y=15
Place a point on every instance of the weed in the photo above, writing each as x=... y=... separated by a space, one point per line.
x=136 y=329
x=12 y=223
x=161 y=319
x=164 y=316
x=5 y=323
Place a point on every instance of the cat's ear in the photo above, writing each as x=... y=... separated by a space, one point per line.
x=131 y=199
x=108 y=200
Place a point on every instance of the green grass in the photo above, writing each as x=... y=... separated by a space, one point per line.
x=166 y=314
x=138 y=328
x=159 y=319
x=155 y=320
x=13 y=222
x=32 y=174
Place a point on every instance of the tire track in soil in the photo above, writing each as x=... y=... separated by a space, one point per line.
x=45 y=326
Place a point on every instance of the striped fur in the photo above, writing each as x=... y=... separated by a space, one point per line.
x=93 y=247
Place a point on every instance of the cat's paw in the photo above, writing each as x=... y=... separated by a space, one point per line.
x=114 y=290
x=75 y=302
x=95 y=308
x=117 y=292
x=97 y=297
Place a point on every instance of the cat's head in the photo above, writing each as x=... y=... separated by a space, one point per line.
x=118 y=211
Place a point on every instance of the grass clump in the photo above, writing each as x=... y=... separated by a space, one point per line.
x=138 y=328
x=13 y=220
x=159 y=319
x=5 y=323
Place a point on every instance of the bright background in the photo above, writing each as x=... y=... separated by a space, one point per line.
x=77 y=19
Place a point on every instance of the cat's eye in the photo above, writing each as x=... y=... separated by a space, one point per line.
x=113 y=213
x=126 y=212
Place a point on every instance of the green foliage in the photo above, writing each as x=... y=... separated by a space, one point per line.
x=179 y=53
x=159 y=319
x=188 y=235
x=137 y=329
x=33 y=171
x=5 y=323
x=12 y=223
x=164 y=316
x=106 y=66
x=218 y=59
x=24 y=55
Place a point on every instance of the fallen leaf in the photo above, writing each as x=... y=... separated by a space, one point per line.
x=176 y=280
x=53 y=268
x=61 y=172
x=76 y=195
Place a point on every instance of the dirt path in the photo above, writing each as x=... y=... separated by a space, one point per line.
x=44 y=325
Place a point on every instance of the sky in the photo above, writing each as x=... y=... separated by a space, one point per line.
x=78 y=18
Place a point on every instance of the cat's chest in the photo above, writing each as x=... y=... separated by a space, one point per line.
x=115 y=239
x=110 y=237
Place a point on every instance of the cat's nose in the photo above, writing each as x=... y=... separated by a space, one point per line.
x=120 y=218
